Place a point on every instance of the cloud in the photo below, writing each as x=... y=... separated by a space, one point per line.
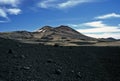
x=47 y=4
x=91 y=25
x=9 y=7
x=111 y=15
x=3 y=13
x=105 y=35
x=14 y=11
x=95 y=24
x=98 y=29
x=13 y=3
x=60 y=4
x=71 y=3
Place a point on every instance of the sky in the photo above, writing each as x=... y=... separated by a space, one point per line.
x=95 y=18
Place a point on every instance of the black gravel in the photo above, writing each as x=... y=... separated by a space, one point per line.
x=32 y=62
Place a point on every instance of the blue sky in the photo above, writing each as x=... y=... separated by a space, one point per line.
x=95 y=18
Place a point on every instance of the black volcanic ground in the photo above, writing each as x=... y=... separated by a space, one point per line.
x=36 y=62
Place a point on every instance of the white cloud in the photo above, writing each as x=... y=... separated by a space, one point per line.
x=3 y=13
x=98 y=26
x=106 y=29
x=105 y=35
x=13 y=3
x=98 y=29
x=111 y=15
x=46 y=4
x=60 y=4
x=9 y=7
x=95 y=24
x=71 y=3
x=14 y=11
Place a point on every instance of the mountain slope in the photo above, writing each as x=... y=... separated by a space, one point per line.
x=47 y=35
x=16 y=35
x=61 y=32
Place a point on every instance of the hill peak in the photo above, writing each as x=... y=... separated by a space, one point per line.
x=60 y=32
x=44 y=28
x=61 y=27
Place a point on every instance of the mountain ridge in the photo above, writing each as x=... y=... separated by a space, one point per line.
x=63 y=32
x=62 y=35
x=56 y=33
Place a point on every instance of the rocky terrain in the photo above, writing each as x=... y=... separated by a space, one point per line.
x=37 y=62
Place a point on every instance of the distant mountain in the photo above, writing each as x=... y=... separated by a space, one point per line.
x=48 y=33
x=110 y=39
x=61 y=32
x=118 y=40
x=61 y=35
x=16 y=35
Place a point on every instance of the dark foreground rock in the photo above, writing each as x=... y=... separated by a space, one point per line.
x=32 y=62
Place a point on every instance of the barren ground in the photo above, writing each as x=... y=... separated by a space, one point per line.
x=36 y=62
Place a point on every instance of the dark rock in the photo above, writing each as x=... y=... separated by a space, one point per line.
x=72 y=71
x=42 y=44
x=19 y=45
x=22 y=56
x=17 y=67
x=58 y=71
x=49 y=61
x=1 y=79
x=10 y=51
x=19 y=56
x=79 y=75
x=15 y=56
x=26 y=68
x=56 y=45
